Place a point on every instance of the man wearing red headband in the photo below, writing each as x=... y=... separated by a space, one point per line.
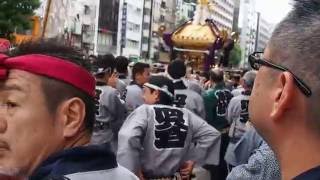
x=47 y=115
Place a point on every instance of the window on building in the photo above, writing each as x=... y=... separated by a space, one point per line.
x=146 y=11
x=162 y=18
x=133 y=27
x=86 y=10
x=190 y=14
x=132 y=43
x=145 y=40
x=105 y=39
x=114 y=39
x=139 y=9
x=163 y=5
x=144 y=54
x=145 y=25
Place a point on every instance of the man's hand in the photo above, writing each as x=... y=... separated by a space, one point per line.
x=113 y=79
x=186 y=170
x=140 y=175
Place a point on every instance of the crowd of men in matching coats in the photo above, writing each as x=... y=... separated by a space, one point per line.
x=163 y=122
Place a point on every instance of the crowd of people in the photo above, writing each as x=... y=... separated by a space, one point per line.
x=66 y=116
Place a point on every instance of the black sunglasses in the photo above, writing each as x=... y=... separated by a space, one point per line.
x=256 y=61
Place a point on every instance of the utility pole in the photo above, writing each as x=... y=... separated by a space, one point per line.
x=150 y=31
x=123 y=26
x=96 y=31
x=46 y=16
x=257 y=32
x=142 y=28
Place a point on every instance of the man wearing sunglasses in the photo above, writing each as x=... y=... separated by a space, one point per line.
x=284 y=105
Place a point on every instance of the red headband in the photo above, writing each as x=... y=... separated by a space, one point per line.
x=51 y=67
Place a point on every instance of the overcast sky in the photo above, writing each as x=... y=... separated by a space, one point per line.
x=273 y=10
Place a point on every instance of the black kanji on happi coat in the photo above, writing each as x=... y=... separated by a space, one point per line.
x=244 y=115
x=223 y=99
x=180 y=100
x=170 y=128
x=97 y=100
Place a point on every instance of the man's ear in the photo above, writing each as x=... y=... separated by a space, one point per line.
x=138 y=75
x=282 y=95
x=72 y=113
x=157 y=94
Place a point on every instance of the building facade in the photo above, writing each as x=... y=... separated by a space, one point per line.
x=255 y=31
x=247 y=28
x=236 y=13
x=163 y=20
x=146 y=28
x=139 y=24
x=74 y=20
x=185 y=10
x=108 y=27
x=264 y=34
x=222 y=14
x=130 y=23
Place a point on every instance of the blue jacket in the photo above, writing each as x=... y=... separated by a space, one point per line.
x=82 y=163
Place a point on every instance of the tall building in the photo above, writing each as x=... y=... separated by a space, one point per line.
x=139 y=24
x=81 y=27
x=254 y=30
x=236 y=13
x=222 y=14
x=130 y=28
x=74 y=20
x=247 y=27
x=108 y=27
x=185 y=10
x=163 y=20
x=264 y=34
x=146 y=28
x=58 y=16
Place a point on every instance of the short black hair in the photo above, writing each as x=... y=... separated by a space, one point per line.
x=216 y=75
x=138 y=68
x=93 y=56
x=56 y=91
x=162 y=81
x=177 y=69
x=122 y=64
x=205 y=74
x=105 y=62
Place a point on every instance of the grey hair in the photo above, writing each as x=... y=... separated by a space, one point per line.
x=296 y=40
x=249 y=78
x=295 y=44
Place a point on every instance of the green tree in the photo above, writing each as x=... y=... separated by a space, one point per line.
x=15 y=14
x=235 y=55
